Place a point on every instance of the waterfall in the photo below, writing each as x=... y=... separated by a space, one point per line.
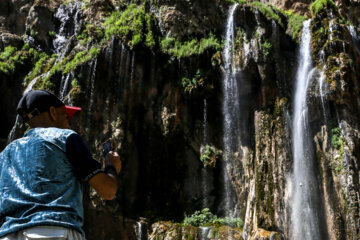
x=92 y=73
x=64 y=85
x=205 y=177
x=355 y=38
x=304 y=218
x=322 y=93
x=69 y=17
x=230 y=108
x=13 y=130
x=204 y=232
x=139 y=232
x=205 y=123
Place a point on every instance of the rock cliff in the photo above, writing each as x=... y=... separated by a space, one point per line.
x=149 y=74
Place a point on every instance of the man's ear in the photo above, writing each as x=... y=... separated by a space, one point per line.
x=52 y=113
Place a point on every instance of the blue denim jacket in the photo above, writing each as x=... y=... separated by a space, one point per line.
x=37 y=183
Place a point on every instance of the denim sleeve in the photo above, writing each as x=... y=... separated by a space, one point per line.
x=85 y=167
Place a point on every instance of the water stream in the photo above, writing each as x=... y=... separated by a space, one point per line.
x=305 y=225
x=230 y=108
x=355 y=38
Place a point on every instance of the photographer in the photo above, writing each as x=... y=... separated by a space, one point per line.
x=41 y=174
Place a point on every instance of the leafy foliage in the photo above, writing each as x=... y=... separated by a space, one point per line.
x=205 y=217
x=209 y=155
x=81 y=58
x=266 y=48
x=267 y=11
x=180 y=49
x=194 y=82
x=236 y=1
x=133 y=25
x=337 y=140
x=12 y=57
x=319 y=5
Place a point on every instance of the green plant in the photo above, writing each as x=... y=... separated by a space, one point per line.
x=205 y=217
x=40 y=66
x=134 y=25
x=11 y=57
x=319 y=5
x=295 y=23
x=194 y=46
x=80 y=58
x=91 y=32
x=209 y=155
x=52 y=34
x=196 y=81
x=236 y=1
x=267 y=11
x=266 y=48
x=337 y=139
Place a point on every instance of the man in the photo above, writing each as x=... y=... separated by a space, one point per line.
x=41 y=174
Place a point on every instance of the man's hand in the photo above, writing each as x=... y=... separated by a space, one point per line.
x=105 y=184
x=113 y=158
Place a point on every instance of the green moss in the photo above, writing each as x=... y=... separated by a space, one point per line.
x=81 y=58
x=338 y=142
x=295 y=23
x=180 y=49
x=266 y=48
x=319 y=5
x=11 y=57
x=90 y=33
x=236 y=1
x=134 y=26
x=41 y=66
x=268 y=12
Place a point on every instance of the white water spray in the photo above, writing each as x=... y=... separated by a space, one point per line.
x=230 y=108
x=305 y=225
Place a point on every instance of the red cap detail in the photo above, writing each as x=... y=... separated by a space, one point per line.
x=71 y=111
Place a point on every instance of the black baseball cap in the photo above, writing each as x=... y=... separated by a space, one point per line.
x=35 y=102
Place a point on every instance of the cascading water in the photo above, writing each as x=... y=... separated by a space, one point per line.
x=230 y=108
x=205 y=122
x=64 y=85
x=322 y=88
x=13 y=130
x=69 y=17
x=304 y=214
x=205 y=176
x=355 y=38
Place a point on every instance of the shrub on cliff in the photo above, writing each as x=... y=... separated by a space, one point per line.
x=134 y=25
x=206 y=218
x=318 y=5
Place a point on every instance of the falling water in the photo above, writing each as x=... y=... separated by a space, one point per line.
x=139 y=232
x=13 y=130
x=92 y=74
x=322 y=88
x=230 y=107
x=304 y=219
x=205 y=122
x=64 y=85
x=132 y=70
x=355 y=38
x=69 y=17
x=204 y=171
x=204 y=232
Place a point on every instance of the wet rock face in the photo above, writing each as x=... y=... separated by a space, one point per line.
x=14 y=14
x=189 y=18
x=301 y=6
